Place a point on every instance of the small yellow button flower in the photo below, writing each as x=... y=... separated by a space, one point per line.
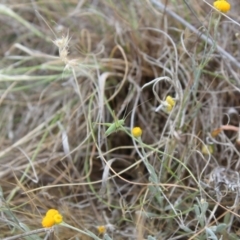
x=101 y=229
x=170 y=103
x=222 y=5
x=170 y=100
x=51 y=212
x=51 y=218
x=58 y=218
x=206 y=149
x=137 y=132
x=47 y=222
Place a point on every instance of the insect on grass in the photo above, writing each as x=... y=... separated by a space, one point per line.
x=117 y=124
x=113 y=127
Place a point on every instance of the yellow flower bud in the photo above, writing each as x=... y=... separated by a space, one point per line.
x=169 y=104
x=48 y=222
x=206 y=149
x=222 y=5
x=170 y=101
x=52 y=212
x=58 y=218
x=51 y=218
x=169 y=108
x=101 y=229
x=137 y=132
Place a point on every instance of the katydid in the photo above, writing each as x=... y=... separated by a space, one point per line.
x=118 y=124
x=114 y=126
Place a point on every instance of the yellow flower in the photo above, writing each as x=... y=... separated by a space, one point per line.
x=101 y=229
x=170 y=100
x=47 y=222
x=51 y=212
x=137 y=132
x=51 y=218
x=206 y=149
x=170 y=103
x=222 y=5
x=58 y=218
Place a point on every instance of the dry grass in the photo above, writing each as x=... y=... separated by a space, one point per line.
x=70 y=67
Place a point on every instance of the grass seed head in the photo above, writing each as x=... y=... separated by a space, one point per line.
x=63 y=45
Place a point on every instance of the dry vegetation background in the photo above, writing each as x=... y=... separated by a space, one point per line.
x=67 y=66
